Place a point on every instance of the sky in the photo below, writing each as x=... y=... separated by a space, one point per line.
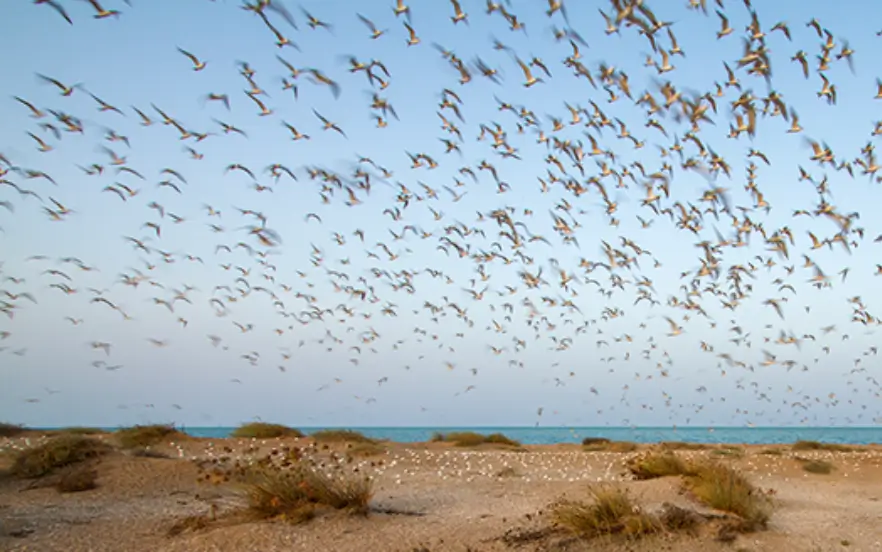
x=203 y=331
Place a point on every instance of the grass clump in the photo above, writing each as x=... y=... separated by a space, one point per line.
x=599 y=444
x=472 y=439
x=340 y=436
x=366 y=449
x=657 y=464
x=263 y=430
x=820 y=467
x=729 y=451
x=58 y=452
x=294 y=494
x=610 y=512
x=681 y=445
x=11 y=430
x=79 y=479
x=140 y=436
x=817 y=445
x=724 y=488
x=77 y=430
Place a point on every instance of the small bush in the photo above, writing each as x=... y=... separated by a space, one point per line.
x=58 y=452
x=611 y=512
x=681 y=445
x=77 y=480
x=821 y=467
x=729 y=452
x=262 y=430
x=294 y=494
x=81 y=430
x=598 y=445
x=366 y=449
x=11 y=430
x=340 y=436
x=472 y=439
x=655 y=464
x=816 y=445
x=726 y=489
x=147 y=435
x=590 y=441
x=772 y=452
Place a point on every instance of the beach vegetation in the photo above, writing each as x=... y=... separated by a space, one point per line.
x=140 y=436
x=366 y=449
x=610 y=511
x=340 y=436
x=728 y=451
x=817 y=445
x=78 y=430
x=681 y=445
x=599 y=444
x=297 y=493
x=724 y=488
x=263 y=430
x=78 y=479
x=473 y=439
x=819 y=467
x=653 y=465
x=11 y=430
x=56 y=453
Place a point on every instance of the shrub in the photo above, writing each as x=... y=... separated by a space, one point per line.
x=58 y=452
x=816 y=445
x=147 y=435
x=76 y=430
x=78 y=479
x=294 y=494
x=610 y=512
x=340 y=436
x=681 y=445
x=726 y=489
x=605 y=445
x=821 y=467
x=11 y=430
x=657 y=464
x=262 y=430
x=472 y=439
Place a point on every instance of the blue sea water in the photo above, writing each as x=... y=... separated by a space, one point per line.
x=551 y=435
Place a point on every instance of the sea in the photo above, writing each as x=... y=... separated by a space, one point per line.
x=551 y=435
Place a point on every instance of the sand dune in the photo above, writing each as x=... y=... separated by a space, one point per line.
x=431 y=496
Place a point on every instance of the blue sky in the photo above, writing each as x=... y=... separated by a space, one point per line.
x=415 y=368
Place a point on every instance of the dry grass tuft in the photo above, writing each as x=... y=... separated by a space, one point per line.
x=820 y=467
x=340 y=436
x=610 y=512
x=58 y=452
x=600 y=444
x=816 y=445
x=76 y=430
x=657 y=464
x=724 y=488
x=189 y=524
x=729 y=451
x=11 y=430
x=262 y=430
x=772 y=452
x=472 y=439
x=675 y=518
x=78 y=479
x=366 y=449
x=147 y=435
x=294 y=494
x=681 y=445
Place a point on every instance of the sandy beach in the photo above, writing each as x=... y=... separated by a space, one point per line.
x=428 y=497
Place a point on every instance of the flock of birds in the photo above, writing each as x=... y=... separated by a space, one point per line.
x=529 y=241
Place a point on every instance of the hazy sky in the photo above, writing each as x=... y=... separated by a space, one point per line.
x=421 y=349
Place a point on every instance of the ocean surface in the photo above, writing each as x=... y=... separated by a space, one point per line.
x=551 y=435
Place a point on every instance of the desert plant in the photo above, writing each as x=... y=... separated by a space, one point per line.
x=77 y=430
x=657 y=464
x=820 y=467
x=11 y=430
x=58 y=452
x=140 y=436
x=589 y=441
x=263 y=430
x=605 y=445
x=610 y=512
x=724 y=488
x=473 y=439
x=681 y=445
x=294 y=493
x=816 y=445
x=78 y=479
x=340 y=436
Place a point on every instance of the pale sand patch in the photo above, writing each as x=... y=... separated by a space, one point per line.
x=466 y=499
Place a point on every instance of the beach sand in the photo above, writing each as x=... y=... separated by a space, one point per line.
x=430 y=497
